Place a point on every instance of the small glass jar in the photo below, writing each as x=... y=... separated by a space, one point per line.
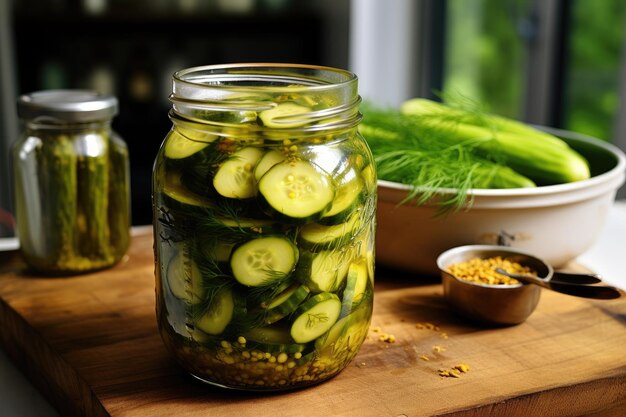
x=264 y=198
x=72 y=188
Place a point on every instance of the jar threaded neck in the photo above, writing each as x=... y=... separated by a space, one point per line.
x=324 y=99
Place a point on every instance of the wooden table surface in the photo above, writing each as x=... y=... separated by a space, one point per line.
x=91 y=345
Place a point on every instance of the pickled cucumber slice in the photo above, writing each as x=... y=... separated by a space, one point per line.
x=356 y=285
x=268 y=160
x=346 y=335
x=195 y=132
x=347 y=200
x=235 y=177
x=325 y=271
x=218 y=314
x=315 y=236
x=247 y=224
x=273 y=339
x=298 y=190
x=222 y=252
x=285 y=115
x=263 y=260
x=184 y=279
x=285 y=303
x=178 y=146
x=369 y=174
x=175 y=190
x=315 y=317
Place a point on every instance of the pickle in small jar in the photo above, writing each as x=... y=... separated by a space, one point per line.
x=71 y=182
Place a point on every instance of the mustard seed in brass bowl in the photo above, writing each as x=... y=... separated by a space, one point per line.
x=484 y=270
x=475 y=291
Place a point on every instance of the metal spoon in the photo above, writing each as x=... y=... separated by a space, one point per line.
x=603 y=292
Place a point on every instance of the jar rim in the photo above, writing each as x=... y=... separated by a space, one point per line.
x=319 y=77
x=256 y=87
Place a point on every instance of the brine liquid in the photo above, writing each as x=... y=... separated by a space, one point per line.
x=219 y=329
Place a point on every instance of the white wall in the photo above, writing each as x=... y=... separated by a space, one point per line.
x=384 y=49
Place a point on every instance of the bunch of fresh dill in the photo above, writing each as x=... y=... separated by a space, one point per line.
x=429 y=157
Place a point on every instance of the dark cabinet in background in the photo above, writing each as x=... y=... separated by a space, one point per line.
x=132 y=53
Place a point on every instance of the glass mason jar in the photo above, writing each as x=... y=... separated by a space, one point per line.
x=72 y=192
x=264 y=199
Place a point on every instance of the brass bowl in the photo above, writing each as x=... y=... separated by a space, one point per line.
x=500 y=305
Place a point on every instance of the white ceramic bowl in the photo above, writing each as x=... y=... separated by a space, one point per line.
x=556 y=222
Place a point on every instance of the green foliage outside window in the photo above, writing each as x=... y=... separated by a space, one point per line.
x=486 y=59
x=597 y=33
x=485 y=56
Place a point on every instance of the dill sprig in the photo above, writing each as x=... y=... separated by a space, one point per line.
x=269 y=289
x=228 y=220
x=260 y=297
x=208 y=301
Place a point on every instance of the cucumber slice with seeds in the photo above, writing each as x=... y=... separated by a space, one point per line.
x=263 y=260
x=315 y=317
x=297 y=190
x=235 y=177
x=285 y=303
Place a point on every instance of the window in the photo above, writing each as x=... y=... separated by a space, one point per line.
x=597 y=32
x=548 y=62
x=485 y=53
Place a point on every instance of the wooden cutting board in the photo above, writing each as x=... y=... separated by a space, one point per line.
x=90 y=344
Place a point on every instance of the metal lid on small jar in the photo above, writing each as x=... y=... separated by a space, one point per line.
x=67 y=105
